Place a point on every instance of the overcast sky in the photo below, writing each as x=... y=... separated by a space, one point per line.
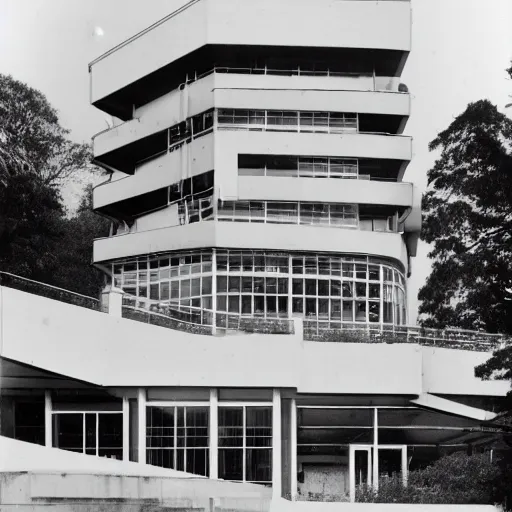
x=460 y=51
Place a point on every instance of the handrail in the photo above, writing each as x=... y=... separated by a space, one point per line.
x=314 y=330
x=2 y=273
x=47 y=290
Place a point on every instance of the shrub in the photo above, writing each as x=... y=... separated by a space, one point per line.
x=453 y=479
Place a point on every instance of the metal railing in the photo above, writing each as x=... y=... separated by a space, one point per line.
x=47 y=290
x=375 y=333
x=200 y=321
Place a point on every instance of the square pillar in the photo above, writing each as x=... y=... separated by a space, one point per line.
x=48 y=424
x=141 y=403
x=112 y=301
x=126 y=429
x=214 y=433
x=276 y=444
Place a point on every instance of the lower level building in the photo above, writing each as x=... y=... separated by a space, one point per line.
x=312 y=420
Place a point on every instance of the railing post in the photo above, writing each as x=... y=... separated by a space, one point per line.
x=112 y=300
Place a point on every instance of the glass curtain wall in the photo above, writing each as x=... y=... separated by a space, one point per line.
x=91 y=433
x=333 y=290
x=177 y=437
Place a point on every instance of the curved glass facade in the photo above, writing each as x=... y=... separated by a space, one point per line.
x=332 y=289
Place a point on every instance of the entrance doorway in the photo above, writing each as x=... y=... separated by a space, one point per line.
x=367 y=468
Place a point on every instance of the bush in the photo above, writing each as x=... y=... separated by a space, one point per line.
x=453 y=479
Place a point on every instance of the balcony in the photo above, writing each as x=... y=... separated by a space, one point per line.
x=255 y=91
x=283 y=237
x=138 y=70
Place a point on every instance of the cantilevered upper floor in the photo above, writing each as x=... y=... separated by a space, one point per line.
x=321 y=38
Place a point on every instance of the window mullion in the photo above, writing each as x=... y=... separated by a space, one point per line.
x=175 y=454
x=97 y=434
x=184 y=438
x=84 y=432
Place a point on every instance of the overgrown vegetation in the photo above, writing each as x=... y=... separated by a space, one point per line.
x=38 y=240
x=453 y=479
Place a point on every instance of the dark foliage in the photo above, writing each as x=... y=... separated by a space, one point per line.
x=37 y=240
x=468 y=221
x=454 y=479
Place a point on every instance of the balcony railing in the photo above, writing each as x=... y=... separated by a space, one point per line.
x=200 y=321
x=46 y=290
x=375 y=333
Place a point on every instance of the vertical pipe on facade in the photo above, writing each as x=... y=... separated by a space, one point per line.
x=214 y=433
x=276 y=443
x=48 y=418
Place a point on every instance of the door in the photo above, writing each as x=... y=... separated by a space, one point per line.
x=360 y=467
x=391 y=463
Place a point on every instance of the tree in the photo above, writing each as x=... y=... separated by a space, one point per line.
x=37 y=158
x=32 y=140
x=468 y=220
x=74 y=249
x=31 y=216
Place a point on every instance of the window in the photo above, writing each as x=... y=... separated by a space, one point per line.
x=286 y=120
x=29 y=420
x=177 y=437
x=245 y=443
x=281 y=119
x=92 y=433
x=330 y=288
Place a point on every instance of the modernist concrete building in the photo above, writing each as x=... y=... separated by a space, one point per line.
x=262 y=225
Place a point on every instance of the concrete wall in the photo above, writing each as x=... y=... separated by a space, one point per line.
x=328 y=23
x=338 y=368
x=110 y=351
x=192 y=159
x=453 y=371
x=325 y=190
x=303 y=506
x=236 y=235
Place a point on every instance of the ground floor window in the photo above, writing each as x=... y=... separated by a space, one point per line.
x=177 y=437
x=245 y=443
x=29 y=421
x=92 y=433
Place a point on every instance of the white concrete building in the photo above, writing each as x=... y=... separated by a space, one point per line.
x=259 y=209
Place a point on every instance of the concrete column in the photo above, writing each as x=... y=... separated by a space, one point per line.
x=214 y=433
x=298 y=327
x=141 y=402
x=293 y=448
x=276 y=444
x=126 y=429
x=375 y=475
x=48 y=418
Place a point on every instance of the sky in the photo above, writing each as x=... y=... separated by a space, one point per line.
x=460 y=50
